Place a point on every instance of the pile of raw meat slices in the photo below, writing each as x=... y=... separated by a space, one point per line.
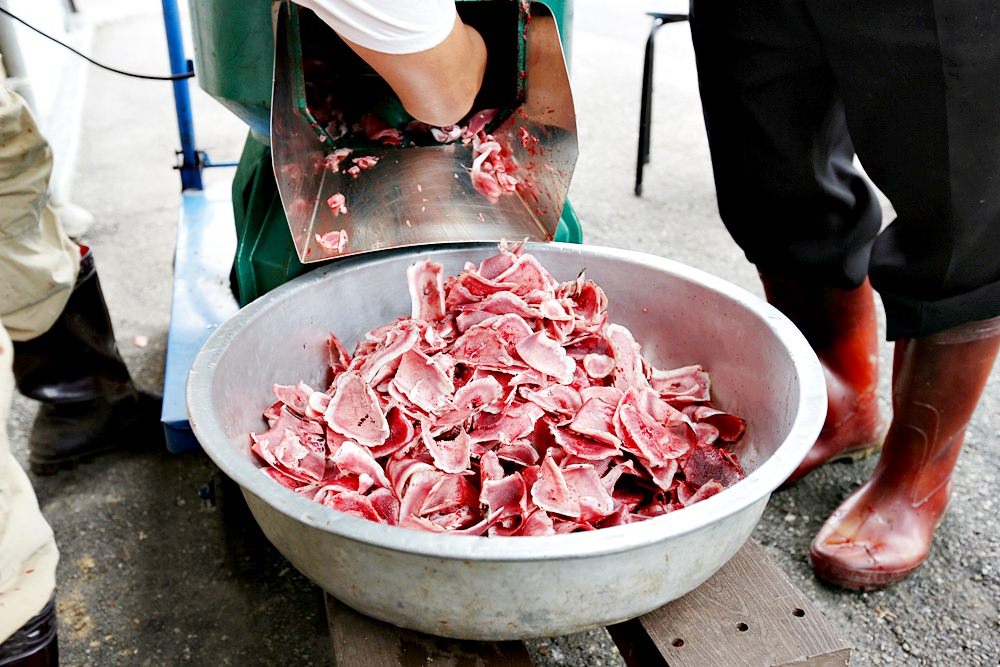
x=506 y=404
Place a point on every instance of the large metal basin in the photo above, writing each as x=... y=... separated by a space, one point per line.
x=508 y=588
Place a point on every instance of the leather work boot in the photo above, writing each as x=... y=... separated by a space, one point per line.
x=840 y=326
x=883 y=531
x=89 y=403
x=35 y=644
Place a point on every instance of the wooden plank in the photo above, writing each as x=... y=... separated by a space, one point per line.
x=748 y=613
x=359 y=641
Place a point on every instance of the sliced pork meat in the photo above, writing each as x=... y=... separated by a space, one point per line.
x=504 y=405
x=336 y=240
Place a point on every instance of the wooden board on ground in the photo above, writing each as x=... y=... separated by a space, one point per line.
x=359 y=641
x=749 y=613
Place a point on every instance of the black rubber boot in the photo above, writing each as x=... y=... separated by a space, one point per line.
x=35 y=644
x=89 y=403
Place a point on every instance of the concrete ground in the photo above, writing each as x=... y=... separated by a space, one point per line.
x=159 y=566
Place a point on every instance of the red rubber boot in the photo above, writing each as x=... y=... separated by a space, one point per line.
x=842 y=329
x=883 y=531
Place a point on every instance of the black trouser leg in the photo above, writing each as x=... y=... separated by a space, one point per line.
x=918 y=84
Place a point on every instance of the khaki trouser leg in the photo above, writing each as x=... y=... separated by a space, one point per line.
x=38 y=262
x=38 y=268
x=28 y=554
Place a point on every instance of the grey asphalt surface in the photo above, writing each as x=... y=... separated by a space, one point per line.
x=152 y=573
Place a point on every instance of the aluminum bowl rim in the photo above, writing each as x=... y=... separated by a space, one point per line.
x=811 y=412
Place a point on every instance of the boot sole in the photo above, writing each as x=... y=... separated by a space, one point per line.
x=859 y=580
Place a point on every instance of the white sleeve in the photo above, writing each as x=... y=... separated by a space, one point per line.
x=388 y=26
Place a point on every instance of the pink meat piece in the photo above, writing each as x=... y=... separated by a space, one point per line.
x=316 y=405
x=493 y=266
x=663 y=476
x=491 y=343
x=537 y=523
x=512 y=423
x=450 y=456
x=502 y=303
x=551 y=493
x=490 y=467
x=355 y=411
x=426 y=290
x=611 y=477
x=399 y=340
x=528 y=376
x=583 y=344
x=493 y=168
x=296 y=447
x=282 y=478
x=505 y=497
x=620 y=517
x=645 y=437
x=527 y=275
x=416 y=491
x=628 y=371
x=596 y=420
x=378 y=130
x=478 y=393
x=609 y=395
x=707 y=490
x=547 y=356
x=598 y=365
x=449 y=494
x=688 y=384
x=730 y=427
x=336 y=240
x=298 y=459
x=446 y=135
x=709 y=463
x=590 y=306
x=650 y=402
x=354 y=171
x=706 y=434
x=336 y=482
x=401 y=433
x=520 y=452
x=351 y=502
x=296 y=397
x=423 y=382
x=385 y=505
x=575 y=491
x=477 y=287
x=333 y=161
x=555 y=398
x=339 y=358
x=477 y=123
x=273 y=412
x=355 y=459
x=337 y=203
x=365 y=161
x=584 y=448
x=467 y=319
x=401 y=471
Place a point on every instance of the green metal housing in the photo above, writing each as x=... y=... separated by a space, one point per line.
x=234 y=62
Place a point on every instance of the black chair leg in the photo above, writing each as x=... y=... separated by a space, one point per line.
x=646 y=99
x=645 y=107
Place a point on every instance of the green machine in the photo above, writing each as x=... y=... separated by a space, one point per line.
x=237 y=63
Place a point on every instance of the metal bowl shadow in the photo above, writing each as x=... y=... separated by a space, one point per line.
x=512 y=588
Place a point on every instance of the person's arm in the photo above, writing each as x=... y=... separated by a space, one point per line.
x=428 y=56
